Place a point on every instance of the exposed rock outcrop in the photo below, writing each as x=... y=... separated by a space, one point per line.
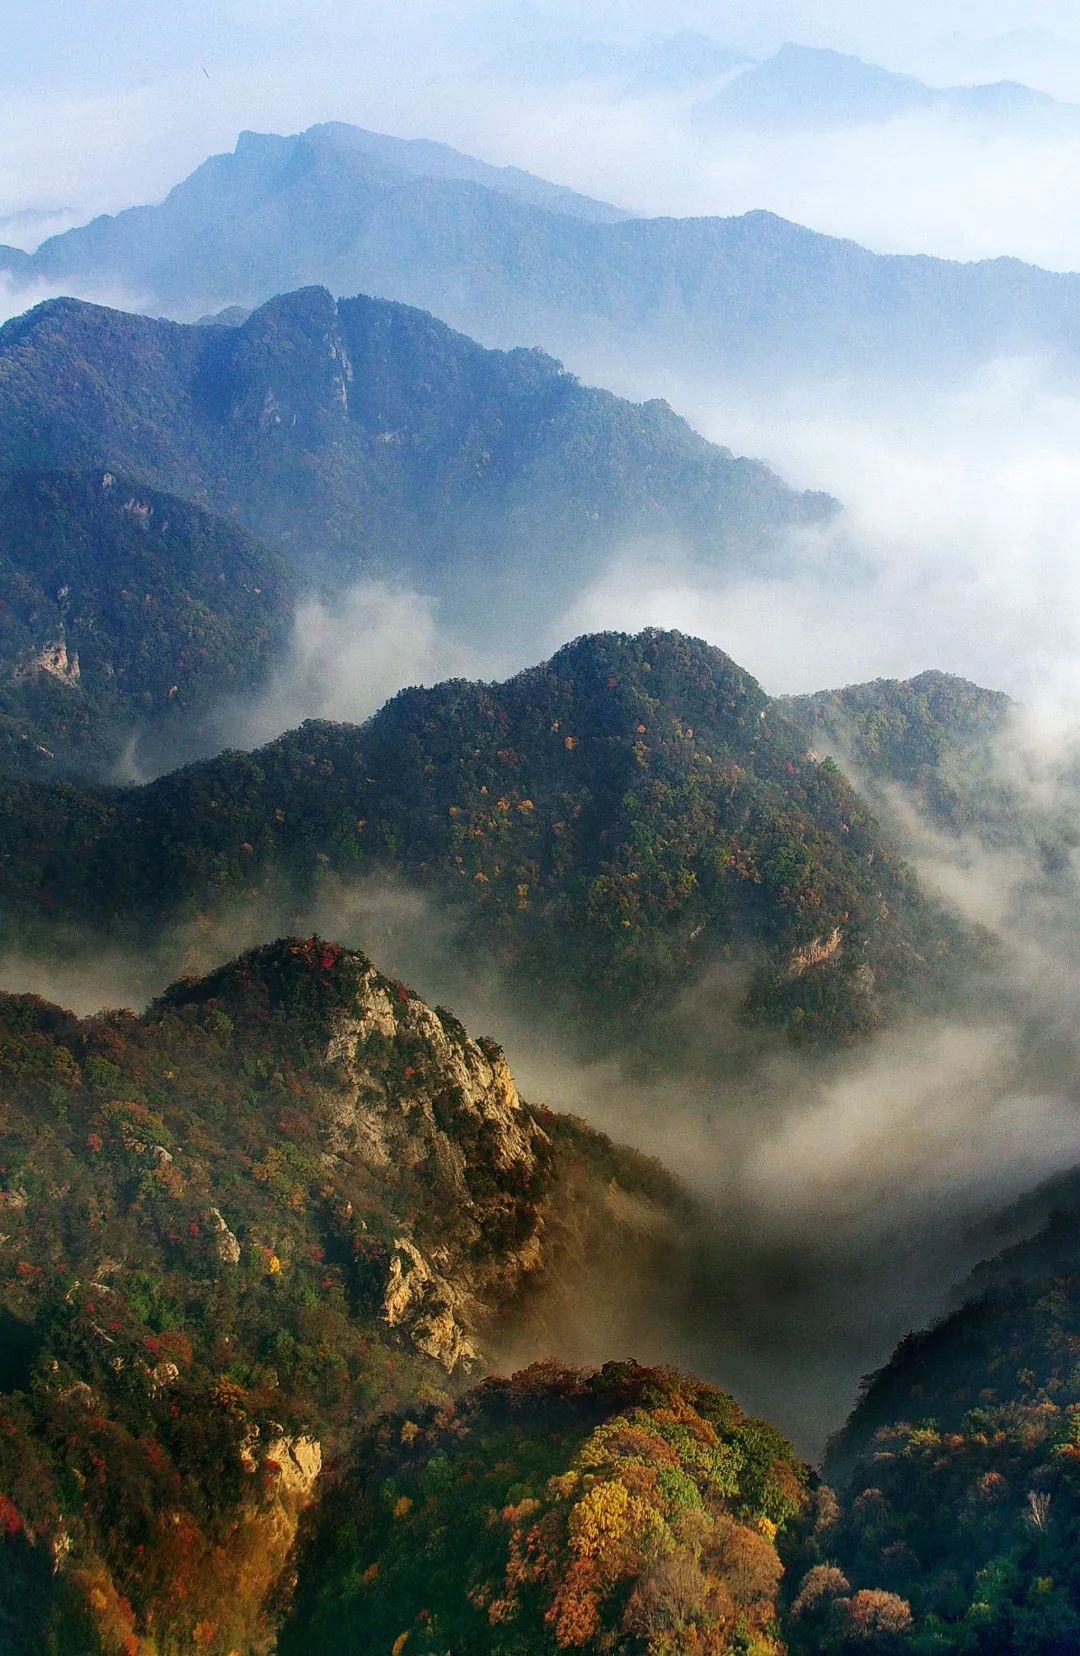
x=226 y=1245
x=816 y=953
x=459 y=1081
x=452 y=1112
x=298 y=1463
x=54 y=660
x=428 y=1306
x=407 y=1093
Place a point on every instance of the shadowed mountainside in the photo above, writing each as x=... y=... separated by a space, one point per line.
x=363 y=439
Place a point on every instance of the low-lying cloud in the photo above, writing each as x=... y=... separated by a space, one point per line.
x=840 y=1195
x=17 y=297
x=346 y=657
x=961 y=512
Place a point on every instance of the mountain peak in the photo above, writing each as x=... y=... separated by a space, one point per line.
x=278 y=1236
x=373 y=438
x=249 y=142
x=311 y=305
x=660 y=650
x=271 y=975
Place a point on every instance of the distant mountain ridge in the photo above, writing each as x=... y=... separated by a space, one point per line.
x=424 y=158
x=796 y=87
x=811 y=88
x=364 y=439
x=746 y=298
x=324 y=184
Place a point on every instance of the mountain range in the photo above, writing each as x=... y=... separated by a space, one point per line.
x=171 y=492
x=752 y=298
x=798 y=88
x=273 y=1247
x=365 y=439
x=605 y=830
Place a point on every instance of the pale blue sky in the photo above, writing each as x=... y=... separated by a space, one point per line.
x=108 y=102
x=77 y=46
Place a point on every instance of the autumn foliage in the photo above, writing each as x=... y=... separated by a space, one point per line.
x=629 y=1509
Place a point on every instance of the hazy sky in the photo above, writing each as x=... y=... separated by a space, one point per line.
x=107 y=102
x=79 y=46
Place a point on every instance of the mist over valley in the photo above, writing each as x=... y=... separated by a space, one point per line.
x=539 y=872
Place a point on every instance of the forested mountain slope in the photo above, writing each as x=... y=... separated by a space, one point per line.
x=626 y=1510
x=124 y=610
x=959 y=1470
x=974 y=764
x=365 y=439
x=603 y=828
x=936 y=736
x=232 y=1231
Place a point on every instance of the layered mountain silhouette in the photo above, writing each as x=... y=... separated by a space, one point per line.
x=266 y=1244
x=363 y=439
x=808 y=88
x=798 y=88
x=752 y=297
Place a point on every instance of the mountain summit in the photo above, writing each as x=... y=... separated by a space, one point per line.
x=237 y=1228
x=605 y=830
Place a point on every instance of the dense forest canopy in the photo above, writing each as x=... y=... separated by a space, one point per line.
x=124 y=610
x=602 y=828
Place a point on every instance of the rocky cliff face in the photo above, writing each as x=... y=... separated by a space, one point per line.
x=404 y=1094
x=466 y=1085
x=52 y=658
x=233 y=1230
x=460 y=1119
